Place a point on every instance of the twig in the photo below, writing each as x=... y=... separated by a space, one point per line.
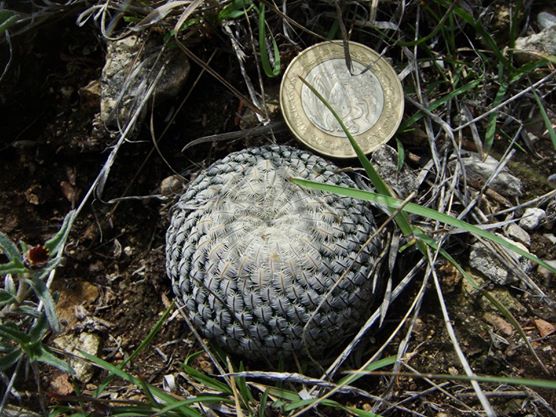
x=504 y=103
x=232 y=382
x=334 y=367
x=276 y=127
x=449 y=328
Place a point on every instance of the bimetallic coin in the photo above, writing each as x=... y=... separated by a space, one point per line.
x=368 y=99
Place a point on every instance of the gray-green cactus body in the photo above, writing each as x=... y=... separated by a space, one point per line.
x=265 y=267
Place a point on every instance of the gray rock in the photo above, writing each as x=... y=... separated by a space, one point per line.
x=546 y=20
x=499 y=272
x=171 y=185
x=542 y=43
x=550 y=220
x=550 y=237
x=86 y=342
x=132 y=64
x=505 y=183
x=515 y=232
x=532 y=218
x=545 y=273
x=385 y=160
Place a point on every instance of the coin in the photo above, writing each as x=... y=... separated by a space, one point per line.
x=369 y=98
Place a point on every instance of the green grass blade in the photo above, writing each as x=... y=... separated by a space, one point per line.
x=8 y=18
x=204 y=399
x=485 y=35
x=207 y=380
x=401 y=155
x=144 y=343
x=283 y=394
x=361 y=413
x=418 y=210
x=441 y=101
x=235 y=9
x=9 y=359
x=243 y=388
x=263 y=403
x=11 y=251
x=536 y=383
x=400 y=219
x=491 y=127
x=269 y=69
x=381 y=363
x=56 y=243
x=43 y=293
x=152 y=391
x=302 y=403
x=546 y=120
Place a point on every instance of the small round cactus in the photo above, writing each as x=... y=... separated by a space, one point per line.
x=265 y=267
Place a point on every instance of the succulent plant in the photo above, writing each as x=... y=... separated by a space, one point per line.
x=265 y=267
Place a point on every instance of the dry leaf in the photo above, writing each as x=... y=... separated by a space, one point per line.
x=61 y=384
x=545 y=328
x=499 y=323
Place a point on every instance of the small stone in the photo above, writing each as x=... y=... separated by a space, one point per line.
x=550 y=237
x=132 y=64
x=515 y=232
x=403 y=181
x=90 y=95
x=542 y=43
x=505 y=298
x=86 y=342
x=82 y=293
x=546 y=273
x=61 y=384
x=550 y=220
x=66 y=91
x=546 y=20
x=171 y=185
x=488 y=264
x=532 y=218
x=33 y=194
x=504 y=183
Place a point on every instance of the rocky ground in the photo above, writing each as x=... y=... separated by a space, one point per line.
x=112 y=287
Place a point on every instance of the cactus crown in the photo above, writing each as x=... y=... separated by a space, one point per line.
x=260 y=263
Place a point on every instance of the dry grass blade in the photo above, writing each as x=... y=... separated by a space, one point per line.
x=221 y=79
x=186 y=13
x=273 y=127
x=376 y=315
x=532 y=87
x=455 y=343
x=238 y=409
x=297 y=378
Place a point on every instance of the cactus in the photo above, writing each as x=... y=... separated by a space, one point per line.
x=266 y=268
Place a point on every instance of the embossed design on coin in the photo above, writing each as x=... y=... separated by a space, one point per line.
x=369 y=99
x=357 y=97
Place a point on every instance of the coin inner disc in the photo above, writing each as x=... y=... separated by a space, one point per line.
x=358 y=99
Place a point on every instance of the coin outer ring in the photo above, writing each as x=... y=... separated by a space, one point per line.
x=321 y=141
